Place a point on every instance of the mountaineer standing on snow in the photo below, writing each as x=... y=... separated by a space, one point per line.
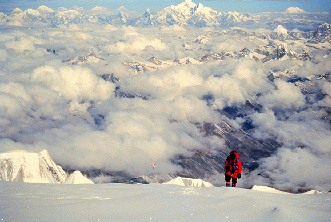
x=232 y=168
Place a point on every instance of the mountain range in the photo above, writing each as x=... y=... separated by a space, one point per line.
x=187 y=14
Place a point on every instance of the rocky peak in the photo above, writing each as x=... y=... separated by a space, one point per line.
x=322 y=34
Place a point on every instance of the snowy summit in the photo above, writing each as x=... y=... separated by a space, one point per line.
x=295 y=10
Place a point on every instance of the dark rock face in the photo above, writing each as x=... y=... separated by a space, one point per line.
x=250 y=149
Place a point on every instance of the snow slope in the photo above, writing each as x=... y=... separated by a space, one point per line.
x=155 y=202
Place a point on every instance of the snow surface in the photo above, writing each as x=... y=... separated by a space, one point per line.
x=153 y=111
x=189 y=182
x=155 y=202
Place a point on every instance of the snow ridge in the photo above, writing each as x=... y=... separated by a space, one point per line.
x=185 y=14
x=189 y=182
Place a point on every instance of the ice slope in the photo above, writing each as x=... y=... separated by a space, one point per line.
x=155 y=202
x=22 y=166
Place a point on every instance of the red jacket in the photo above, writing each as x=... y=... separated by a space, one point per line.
x=232 y=164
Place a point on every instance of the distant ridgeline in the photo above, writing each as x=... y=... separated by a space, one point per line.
x=186 y=14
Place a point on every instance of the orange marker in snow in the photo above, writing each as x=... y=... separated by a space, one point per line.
x=153 y=169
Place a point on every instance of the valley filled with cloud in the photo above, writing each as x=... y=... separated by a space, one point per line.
x=117 y=91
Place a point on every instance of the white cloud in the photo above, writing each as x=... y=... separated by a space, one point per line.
x=49 y=103
x=291 y=169
x=132 y=42
x=172 y=28
x=74 y=83
x=21 y=45
x=3 y=55
x=285 y=96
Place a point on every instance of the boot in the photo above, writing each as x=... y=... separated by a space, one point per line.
x=227 y=184
x=233 y=184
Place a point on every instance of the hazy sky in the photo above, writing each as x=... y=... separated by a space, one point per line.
x=245 y=6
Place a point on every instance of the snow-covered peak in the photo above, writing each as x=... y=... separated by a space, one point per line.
x=322 y=34
x=186 y=8
x=189 y=182
x=32 y=12
x=122 y=9
x=17 y=11
x=279 y=33
x=295 y=10
x=77 y=178
x=236 y=16
x=187 y=4
x=281 y=30
x=22 y=166
x=99 y=8
x=44 y=8
x=206 y=11
x=324 y=29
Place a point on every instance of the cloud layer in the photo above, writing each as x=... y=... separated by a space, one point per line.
x=53 y=97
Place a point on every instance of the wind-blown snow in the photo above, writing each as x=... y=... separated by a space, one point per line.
x=155 y=202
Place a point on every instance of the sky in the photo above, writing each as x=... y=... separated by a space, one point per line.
x=244 y=6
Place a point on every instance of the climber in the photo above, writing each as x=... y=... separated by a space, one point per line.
x=232 y=168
